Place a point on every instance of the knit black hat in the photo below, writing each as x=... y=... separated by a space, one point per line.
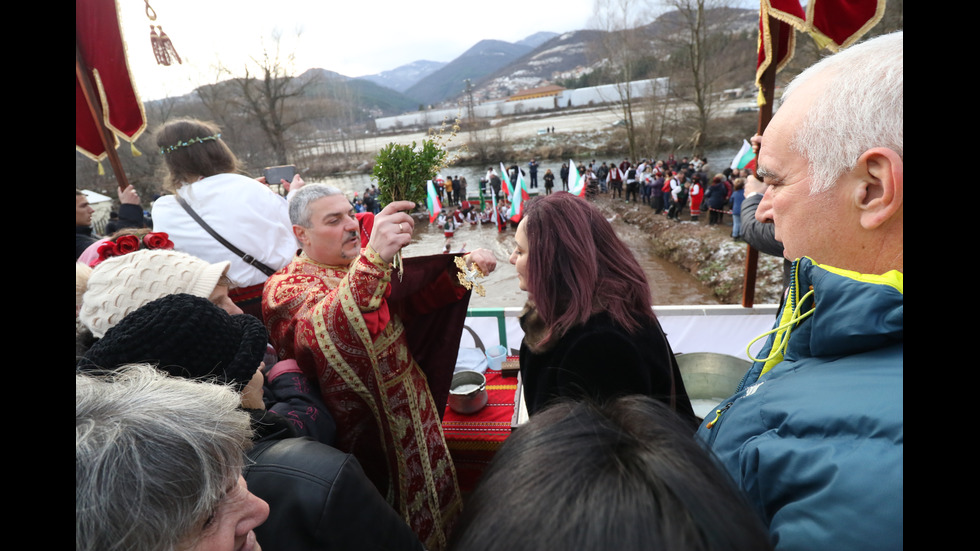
x=186 y=336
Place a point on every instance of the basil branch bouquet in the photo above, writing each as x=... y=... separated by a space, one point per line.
x=403 y=170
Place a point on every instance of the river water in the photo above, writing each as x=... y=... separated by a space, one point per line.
x=668 y=283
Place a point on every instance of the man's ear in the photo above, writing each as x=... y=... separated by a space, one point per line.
x=300 y=233
x=880 y=193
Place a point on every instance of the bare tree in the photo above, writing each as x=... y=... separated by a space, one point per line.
x=623 y=47
x=345 y=117
x=219 y=100
x=707 y=54
x=659 y=122
x=266 y=91
x=161 y=110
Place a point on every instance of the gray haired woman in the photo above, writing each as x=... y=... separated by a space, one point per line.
x=158 y=464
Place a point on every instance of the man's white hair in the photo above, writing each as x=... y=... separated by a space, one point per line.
x=859 y=108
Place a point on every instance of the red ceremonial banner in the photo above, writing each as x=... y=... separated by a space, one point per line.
x=100 y=46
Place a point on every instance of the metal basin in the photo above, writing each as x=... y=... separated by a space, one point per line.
x=709 y=375
x=468 y=392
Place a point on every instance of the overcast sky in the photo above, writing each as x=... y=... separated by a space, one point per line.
x=354 y=38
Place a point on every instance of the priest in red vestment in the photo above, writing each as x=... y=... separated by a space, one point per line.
x=329 y=310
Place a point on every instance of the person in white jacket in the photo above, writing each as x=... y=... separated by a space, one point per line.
x=204 y=173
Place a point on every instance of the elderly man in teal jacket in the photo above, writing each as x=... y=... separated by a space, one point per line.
x=814 y=433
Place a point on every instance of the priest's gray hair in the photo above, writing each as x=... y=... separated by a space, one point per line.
x=859 y=108
x=154 y=456
x=299 y=203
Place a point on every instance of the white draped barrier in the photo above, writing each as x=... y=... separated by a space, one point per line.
x=722 y=329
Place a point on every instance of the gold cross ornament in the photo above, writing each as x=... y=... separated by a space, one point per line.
x=467 y=278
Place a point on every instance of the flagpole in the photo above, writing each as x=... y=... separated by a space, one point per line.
x=768 y=84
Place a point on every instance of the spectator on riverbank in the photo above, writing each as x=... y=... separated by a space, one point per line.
x=615 y=179
x=657 y=194
x=549 y=181
x=564 y=176
x=495 y=183
x=512 y=173
x=678 y=196
x=716 y=196
x=632 y=185
x=602 y=173
x=447 y=186
x=457 y=191
x=696 y=194
x=738 y=195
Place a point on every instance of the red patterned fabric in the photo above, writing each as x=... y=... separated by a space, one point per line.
x=101 y=46
x=365 y=221
x=249 y=299
x=335 y=322
x=790 y=15
x=835 y=24
x=844 y=21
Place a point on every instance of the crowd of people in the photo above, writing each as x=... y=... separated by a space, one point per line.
x=451 y=190
x=668 y=186
x=254 y=371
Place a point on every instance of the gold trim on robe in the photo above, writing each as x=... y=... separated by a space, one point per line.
x=334 y=321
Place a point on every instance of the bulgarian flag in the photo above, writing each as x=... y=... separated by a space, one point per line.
x=518 y=199
x=505 y=180
x=577 y=182
x=743 y=157
x=432 y=201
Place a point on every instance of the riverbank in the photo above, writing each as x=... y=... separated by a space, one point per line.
x=707 y=252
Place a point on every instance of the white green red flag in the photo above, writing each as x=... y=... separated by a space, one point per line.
x=432 y=201
x=518 y=199
x=505 y=180
x=576 y=185
x=743 y=157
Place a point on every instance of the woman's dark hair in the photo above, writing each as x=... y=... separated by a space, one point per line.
x=192 y=150
x=627 y=475
x=576 y=264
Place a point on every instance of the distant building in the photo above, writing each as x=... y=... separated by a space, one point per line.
x=542 y=98
x=732 y=93
x=539 y=92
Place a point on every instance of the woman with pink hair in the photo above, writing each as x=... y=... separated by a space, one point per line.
x=590 y=330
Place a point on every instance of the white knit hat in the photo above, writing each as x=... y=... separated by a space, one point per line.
x=124 y=283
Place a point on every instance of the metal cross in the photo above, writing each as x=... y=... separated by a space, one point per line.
x=467 y=278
